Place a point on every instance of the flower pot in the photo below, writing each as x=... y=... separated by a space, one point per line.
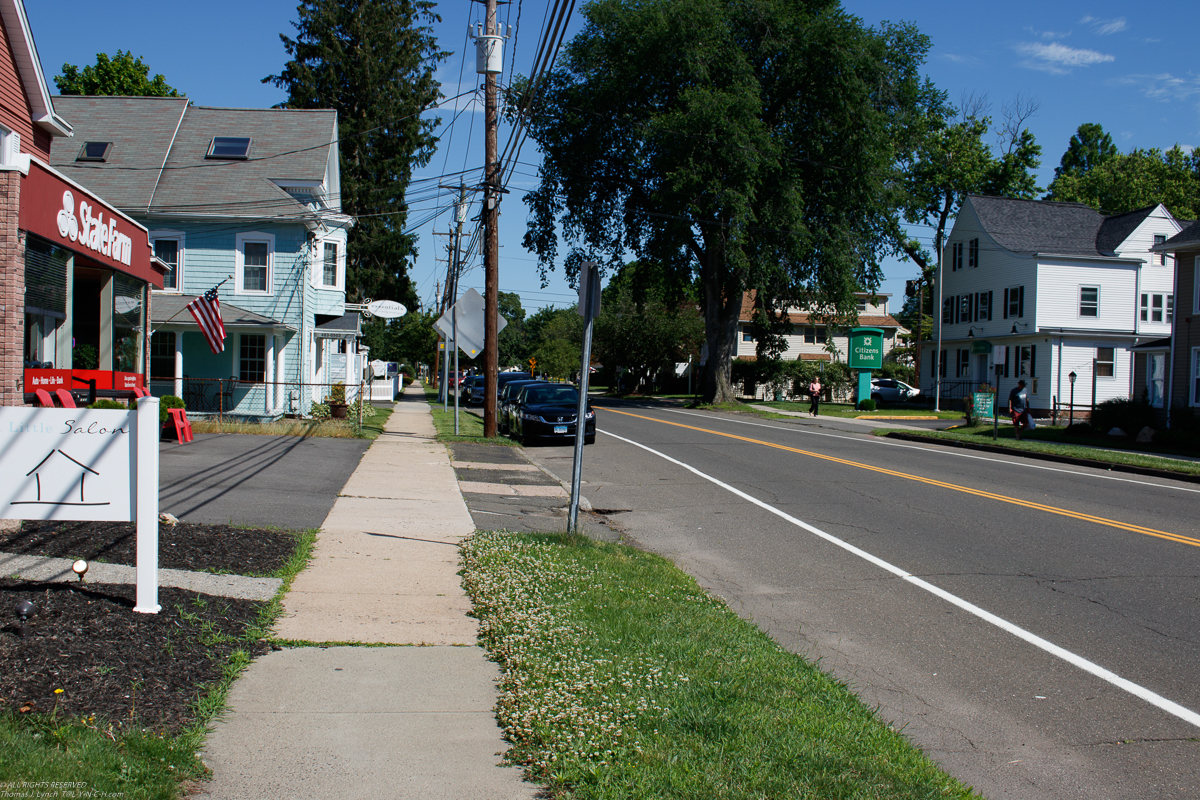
x=338 y=410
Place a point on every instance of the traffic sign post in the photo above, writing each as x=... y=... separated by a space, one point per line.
x=589 y=307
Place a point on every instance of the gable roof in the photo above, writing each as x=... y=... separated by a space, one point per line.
x=1039 y=226
x=1117 y=228
x=158 y=163
x=29 y=67
x=1186 y=239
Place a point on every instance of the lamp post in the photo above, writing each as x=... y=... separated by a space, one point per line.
x=1071 y=376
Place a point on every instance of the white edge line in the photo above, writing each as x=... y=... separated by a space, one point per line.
x=1080 y=662
x=948 y=452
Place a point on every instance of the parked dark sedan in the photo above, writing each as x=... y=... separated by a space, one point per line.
x=548 y=411
x=472 y=390
x=505 y=401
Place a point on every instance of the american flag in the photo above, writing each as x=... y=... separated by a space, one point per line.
x=207 y=310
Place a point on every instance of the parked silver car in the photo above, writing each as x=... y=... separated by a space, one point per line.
x=890 y=390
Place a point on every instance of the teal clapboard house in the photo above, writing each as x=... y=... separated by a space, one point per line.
x=247 y=200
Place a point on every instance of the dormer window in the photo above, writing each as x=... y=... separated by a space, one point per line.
x=230 y=148
x=94 y=151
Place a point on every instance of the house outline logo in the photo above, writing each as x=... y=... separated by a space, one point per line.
x=59 y=475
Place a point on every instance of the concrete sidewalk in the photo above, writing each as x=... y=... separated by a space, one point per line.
x=330 y=720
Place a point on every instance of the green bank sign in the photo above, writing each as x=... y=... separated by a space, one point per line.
x=866 y=348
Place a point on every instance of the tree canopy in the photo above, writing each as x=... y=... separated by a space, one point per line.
x=1137 y=179
x=953 y=159
x=1089 y=147
x=744 y=144
x=373 y=61
x=121 y=75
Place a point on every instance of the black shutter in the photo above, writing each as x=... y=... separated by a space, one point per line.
x=1006 y=303
x=1032 y=360
x=989 y=305
x=1007 y=351
x=1021 y=303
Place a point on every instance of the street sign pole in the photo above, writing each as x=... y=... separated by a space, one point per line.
x=458 y=381
x=589 y=306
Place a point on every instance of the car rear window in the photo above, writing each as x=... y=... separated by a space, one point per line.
x=551 y=394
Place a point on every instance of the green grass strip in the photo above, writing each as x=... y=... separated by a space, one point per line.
x=1055 y=441
x=622 y=678
x=137 y=763
x=470 y=426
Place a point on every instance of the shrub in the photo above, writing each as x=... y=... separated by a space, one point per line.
x=1128 y=415
x=111 y=405
x=867 y=405
x=319 y=411
x=337 y=393
x=166 y=403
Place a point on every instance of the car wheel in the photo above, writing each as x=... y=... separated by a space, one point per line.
x=589 y=440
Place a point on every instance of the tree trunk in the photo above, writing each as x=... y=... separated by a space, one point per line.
x=722 y=305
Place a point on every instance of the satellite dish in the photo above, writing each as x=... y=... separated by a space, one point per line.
x=386 y=309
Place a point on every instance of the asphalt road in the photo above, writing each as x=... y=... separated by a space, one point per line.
x=1032 y=626
x=271 y=481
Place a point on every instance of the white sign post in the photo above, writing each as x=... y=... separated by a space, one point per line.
x=86 y=464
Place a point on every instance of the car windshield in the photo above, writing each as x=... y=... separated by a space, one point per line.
x=540 y=395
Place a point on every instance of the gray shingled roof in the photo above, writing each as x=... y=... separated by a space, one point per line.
x=1039 y=226
x=287 y=145
x=349 y=324
x=172 y=308
x=1118 y=227
x=140 y=128
x=1189 y=237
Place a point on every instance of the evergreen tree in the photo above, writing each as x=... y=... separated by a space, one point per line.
x=373 y=61
x=122 y=75
x=1088 y=148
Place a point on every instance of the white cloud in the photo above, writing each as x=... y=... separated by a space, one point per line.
x=1105 y=27
x=1165 y=86
x=1047 y=35
x=1058 y=58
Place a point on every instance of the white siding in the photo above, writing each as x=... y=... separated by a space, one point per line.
x=1059 y=284
x=1154 y=278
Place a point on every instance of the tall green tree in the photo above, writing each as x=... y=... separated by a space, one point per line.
x=1137 y=179
x=953 y=158
x=556 y=340
x=121 y=75
x=744 y=144
x=373 y=61
x=512 y=343
x=642 y=329
x=1089 y=147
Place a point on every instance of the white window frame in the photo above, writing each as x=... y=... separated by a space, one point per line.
x=1150 y=380
x=1160 y=258
x=239 y=262
x=340 y=279
x=180 y=239
x=1082 y=315
x=10 y=146
x=1112 y=364
x=237 y=369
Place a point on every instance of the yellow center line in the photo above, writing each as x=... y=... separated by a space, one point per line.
x=1062 y=512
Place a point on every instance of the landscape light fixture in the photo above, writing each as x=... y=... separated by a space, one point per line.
x=80 y=567
x=971 y=332
x=1015 y=324
x=24 y=610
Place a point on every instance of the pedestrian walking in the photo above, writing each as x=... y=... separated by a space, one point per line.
x=1018 y=407
x=814 y=391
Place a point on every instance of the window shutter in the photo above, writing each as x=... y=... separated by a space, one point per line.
x=1032 y=360
x=975 y=312
x=1006 y=303
x=1007 y=352
x=989 y=305
x=1021 y=303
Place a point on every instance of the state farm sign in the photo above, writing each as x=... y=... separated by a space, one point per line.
x=92 y=231
x=64 y=212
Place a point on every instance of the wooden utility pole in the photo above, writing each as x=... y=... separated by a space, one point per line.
x=491 y=66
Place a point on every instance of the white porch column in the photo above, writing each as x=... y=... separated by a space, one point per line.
x=281 y=389
x=179 y=363
x=269 y=376
x=350 y=381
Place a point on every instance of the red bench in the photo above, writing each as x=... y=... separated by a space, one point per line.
x=183 y=428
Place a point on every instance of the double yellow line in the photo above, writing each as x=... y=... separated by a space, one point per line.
x=1062 y=512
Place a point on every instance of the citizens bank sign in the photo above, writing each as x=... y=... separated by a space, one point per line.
x=92 y=231
x=866 y=348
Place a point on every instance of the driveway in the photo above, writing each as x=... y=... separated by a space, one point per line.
x=240 y=479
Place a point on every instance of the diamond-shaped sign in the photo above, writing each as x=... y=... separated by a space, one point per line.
x=470 y=323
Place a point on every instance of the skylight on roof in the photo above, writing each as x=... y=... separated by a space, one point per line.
x=94 y=151
x=229 y=147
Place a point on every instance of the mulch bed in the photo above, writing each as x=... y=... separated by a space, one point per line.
x=120 y=666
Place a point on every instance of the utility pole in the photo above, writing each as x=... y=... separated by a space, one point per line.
x=489 y=62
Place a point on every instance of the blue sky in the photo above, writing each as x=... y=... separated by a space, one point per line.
x=1135 y=74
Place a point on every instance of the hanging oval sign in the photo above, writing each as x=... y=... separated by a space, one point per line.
x=386 y=309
